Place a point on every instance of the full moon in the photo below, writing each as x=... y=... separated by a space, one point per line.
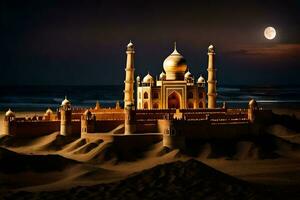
x=270 y=33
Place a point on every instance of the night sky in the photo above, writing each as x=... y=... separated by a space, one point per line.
x=60 y=42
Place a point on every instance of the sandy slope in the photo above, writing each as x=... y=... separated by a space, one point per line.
x=273 y=160
x=178 y=180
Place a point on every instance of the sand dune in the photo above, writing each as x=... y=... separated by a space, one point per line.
x=284 y=133
x=53 y=162
x=12 y=162
x=178 y=180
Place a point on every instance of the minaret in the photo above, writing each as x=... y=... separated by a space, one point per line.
x=129 y=80
x=211 y=81
x=65 y=118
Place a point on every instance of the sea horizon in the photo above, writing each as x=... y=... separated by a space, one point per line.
x=41 y=97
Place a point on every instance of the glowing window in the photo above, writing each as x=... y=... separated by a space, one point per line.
x=146 y=95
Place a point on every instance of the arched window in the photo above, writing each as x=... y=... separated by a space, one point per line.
x=155 y=95
x=146 y=105
x=200 y=95
x=190 y=95
x=155 y=106
x=146 y=95
x=190 y=105
x=200 y=104
x=174 y=100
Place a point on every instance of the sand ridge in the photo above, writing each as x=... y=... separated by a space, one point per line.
x=271 y=160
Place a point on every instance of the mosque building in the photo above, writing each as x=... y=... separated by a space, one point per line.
x=175 y=108
x=176 y=87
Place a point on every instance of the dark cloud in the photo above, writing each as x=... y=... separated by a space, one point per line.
x=279 y=51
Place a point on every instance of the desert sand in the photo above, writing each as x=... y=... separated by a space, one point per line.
x=51 y=167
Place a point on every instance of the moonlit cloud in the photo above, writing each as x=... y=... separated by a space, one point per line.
x=277 y=51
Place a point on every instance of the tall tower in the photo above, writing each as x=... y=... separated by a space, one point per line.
x=9 y=123
x=129 y=80
x=65 y=118
x=211 y=81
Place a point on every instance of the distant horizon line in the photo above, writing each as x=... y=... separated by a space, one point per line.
x=98 y=85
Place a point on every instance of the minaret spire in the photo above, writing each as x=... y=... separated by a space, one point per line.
x=129 y=77
x=175 y=46
x=211 y=80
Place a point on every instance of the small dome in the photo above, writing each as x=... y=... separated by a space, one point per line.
x=174 y=65
x=65 y=102
x=49 y=111
x=138 y=78
x=188 y=75
x=253 y=103
x=148 y=79
x=201 y=79
x=130 y=44
x=162 y=76
x=9 y=113
x=211 y=49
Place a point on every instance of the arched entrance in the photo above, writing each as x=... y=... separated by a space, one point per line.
x=174 y=100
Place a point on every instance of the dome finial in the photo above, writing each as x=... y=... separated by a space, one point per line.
x=175 y=48
x=130 y=44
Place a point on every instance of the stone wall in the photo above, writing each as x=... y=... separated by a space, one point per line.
x=205 y=129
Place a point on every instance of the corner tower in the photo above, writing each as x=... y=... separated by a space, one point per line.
x=212 y=80
x=65 y=118
x=9 y=123
x=129 y=79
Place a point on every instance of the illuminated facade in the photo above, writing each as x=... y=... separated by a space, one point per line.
x=176 y=87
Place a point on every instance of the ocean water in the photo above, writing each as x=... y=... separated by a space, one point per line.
x=35 y=98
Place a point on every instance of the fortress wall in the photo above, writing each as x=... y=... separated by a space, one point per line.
x=107 y=110
x=76 y=115
x=110 y=116
x=220 y=131
x=107 y=125
x=205 y=130
x=159 y=111
x=203 y=110
x=146 y=127
x=218 y=113
x=76 y=127
x=264 y=116
x=123 y=143
x=147 y=116
x=41 y=128
x=96 y=136
x=35 y=128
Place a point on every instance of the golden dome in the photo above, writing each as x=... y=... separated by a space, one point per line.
x=188 y=75
x=162 y=76
x=211 y=49
x=175 y=66
x=201 y=79
x=49 y=111
x=9 y=113
x=253 y=104
x=148 y=79
x=130 y=44
x=65 y=102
